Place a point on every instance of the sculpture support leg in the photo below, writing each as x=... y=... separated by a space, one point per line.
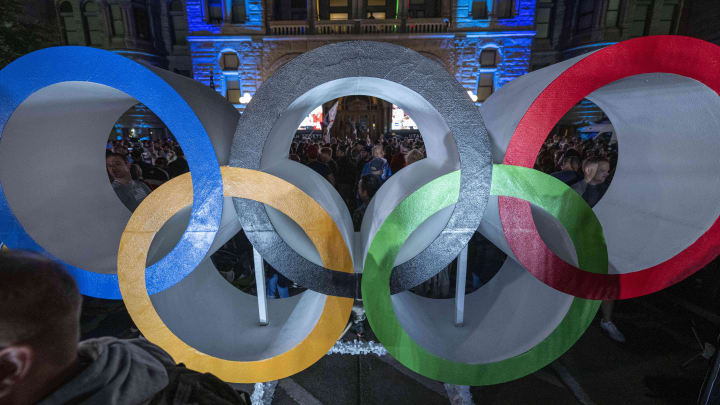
x=260 y=283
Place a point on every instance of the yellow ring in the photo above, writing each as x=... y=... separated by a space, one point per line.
x=172 y=196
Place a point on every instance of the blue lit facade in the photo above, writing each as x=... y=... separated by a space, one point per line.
x=236 y=51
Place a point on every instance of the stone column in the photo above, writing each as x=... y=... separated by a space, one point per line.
x=311 y=15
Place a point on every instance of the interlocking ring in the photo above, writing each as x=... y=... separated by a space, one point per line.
x=680 y=239
x=278 y=360
x=62 y=204
x=450 y=358
x=453 y=132
x=517 y=322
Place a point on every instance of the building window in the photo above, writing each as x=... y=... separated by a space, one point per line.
x=334 y=9
x=613 y=10
x=416 y=8
x=179 y=22
x=423 y=8
x=142 y=23
x=486 y=85
x=118 y=24
x=176 y=6
x=289 y=10
x=639 y=18
x=238 y=12
x=380 y=9
x=489 y=61
x=503 y=8
x=489 y=58
x=229 y=61
x=215 y=14
x=73 y=36
x=479 y=10
x=93 y=24
x=585 y=14
x=542 y=21
x=668 y=16
x=232 y=89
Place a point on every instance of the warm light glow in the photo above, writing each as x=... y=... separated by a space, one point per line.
x=472 y=96
x=245 y=98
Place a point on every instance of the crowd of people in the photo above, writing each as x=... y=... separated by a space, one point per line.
x=357 y=168
x=135 y=167
x=39 y=343
x=567 y=153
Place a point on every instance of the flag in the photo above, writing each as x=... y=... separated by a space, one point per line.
x=330 y=120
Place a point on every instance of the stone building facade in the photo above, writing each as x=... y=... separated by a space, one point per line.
x=700 y=19
x=567 y=28
x=153 y=32
x=236 y=45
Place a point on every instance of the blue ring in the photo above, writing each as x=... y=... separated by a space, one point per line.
x=46 y=67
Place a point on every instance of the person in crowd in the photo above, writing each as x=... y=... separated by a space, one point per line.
x=592 y=187
x=170 y=155
x=326 y=156
x=313 y=161
x=42 y=362
x=131 y=192
x=140 y=159
x=155 y=176
x=377 y=165
x=346 y=177
x=397 y=162
x=179 y=165
x=487 y=259
x=413 y=156
x=569 y=168
x=278 y=286
x=367 y=187
x=162 y=163
x=362 y=158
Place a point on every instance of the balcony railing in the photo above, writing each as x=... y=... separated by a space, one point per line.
x=289 y=27
x=380 y=26
x=335 y=27
x=426 y=25
x=345 y=27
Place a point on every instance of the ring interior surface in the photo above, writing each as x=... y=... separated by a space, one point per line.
x=418 y=85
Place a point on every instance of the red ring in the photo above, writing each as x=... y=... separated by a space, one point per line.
x=689 y=57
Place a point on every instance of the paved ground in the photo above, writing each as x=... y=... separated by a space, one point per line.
x=596 y=370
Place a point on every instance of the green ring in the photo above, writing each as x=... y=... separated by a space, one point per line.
x=443 y=192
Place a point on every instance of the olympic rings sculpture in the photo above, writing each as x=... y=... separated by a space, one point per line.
x=550 y=290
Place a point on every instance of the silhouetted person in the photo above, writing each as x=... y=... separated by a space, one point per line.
x=41 y=361
x=179 y=165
